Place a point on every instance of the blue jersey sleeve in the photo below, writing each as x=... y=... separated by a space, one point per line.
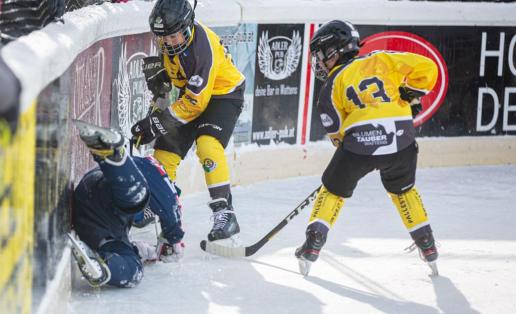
x=164 y=200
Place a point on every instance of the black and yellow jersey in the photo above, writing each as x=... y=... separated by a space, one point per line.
x=360 y=104
x=203 y=71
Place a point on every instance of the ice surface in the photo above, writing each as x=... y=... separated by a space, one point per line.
x=362 y=269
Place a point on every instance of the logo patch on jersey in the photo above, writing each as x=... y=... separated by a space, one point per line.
x=372 y=135
x=192 y=100
x=408 y=42
x=196 y=81
x=279 y=56
x=326 y=120
x=208 y=165
x=366 y=139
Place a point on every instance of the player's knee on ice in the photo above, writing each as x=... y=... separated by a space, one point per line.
x=123 y=262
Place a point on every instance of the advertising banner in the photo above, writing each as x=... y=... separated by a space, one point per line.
x=131 y=98
x=476 y=90
x=90 y=96
x=277 y=83
x=241 y=43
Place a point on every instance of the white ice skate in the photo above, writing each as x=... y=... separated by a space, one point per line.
x=91 y=265
x=304 y=266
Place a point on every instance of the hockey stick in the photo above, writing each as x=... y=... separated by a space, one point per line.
x=221 y=250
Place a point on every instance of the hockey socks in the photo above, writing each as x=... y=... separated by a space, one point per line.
x=326 y=207
x=324 y=214
x=170 y=161
x=214 y=163
x=415 y=219
x=410 y=208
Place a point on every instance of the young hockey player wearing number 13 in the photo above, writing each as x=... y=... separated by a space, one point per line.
x=366 y=105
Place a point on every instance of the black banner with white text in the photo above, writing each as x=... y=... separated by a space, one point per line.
x=277 y=83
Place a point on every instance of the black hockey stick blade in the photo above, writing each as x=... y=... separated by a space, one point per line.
x=226 y=251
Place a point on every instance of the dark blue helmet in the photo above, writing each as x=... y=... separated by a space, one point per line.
x=331 y=38
x=169 y=17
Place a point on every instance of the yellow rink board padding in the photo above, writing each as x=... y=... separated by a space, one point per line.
x=17 y=161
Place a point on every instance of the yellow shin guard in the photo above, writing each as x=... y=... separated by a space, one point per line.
x=410 y=208
x=213 y=160
x=169 y=160
x=326 y=207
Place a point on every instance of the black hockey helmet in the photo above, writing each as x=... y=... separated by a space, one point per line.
x=331 y=38
x=170 y=17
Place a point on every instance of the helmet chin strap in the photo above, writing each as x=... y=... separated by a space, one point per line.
x=195 y=4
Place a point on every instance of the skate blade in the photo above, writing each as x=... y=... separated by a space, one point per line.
x=433 y=268
x=233 y=241
x=108 y=136
x=83 y=259
x=304 y=266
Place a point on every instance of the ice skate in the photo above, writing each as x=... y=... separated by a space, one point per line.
x=225 y=224
x=90 y=264
x=144 y=218
x=102 y=142
x=427 y=251
x=308 y=253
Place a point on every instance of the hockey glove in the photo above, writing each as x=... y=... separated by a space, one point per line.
x=156 y=124
x=156 y=76
x=146 y=251
x=171 y=253
x=413 y=97
x=416 y=107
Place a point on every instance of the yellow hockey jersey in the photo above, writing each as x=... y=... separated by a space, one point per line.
x=203 y=71
x=360 y=105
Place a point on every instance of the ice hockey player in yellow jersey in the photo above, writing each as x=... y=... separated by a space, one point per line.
x=193 y=59
x=367 y=105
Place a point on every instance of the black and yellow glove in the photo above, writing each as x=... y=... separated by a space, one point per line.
x=153 y=126
x=156 y=76
x=413 y=97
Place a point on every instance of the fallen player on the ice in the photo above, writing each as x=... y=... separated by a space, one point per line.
x=106 y=202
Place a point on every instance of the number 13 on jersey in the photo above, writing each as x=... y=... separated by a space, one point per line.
x=378 y=91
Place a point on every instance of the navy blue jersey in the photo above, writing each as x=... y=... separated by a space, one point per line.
x=164 y=200
x=101 y=201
